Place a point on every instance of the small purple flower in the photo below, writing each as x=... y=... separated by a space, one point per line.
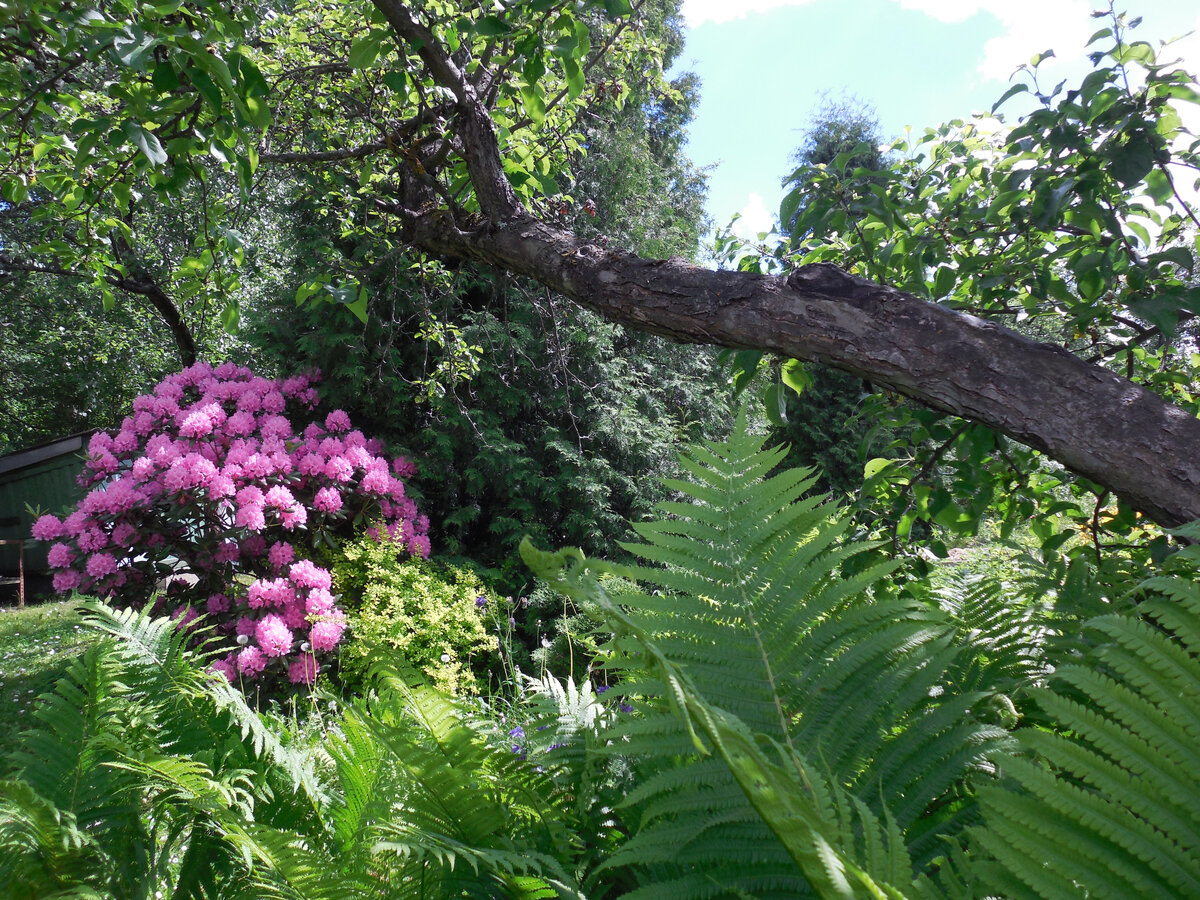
x=625 y=707
x=601 y=689
x=481 y=602
x=517 y=732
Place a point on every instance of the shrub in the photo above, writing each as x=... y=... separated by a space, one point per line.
x=433 y=613
x=209 y=480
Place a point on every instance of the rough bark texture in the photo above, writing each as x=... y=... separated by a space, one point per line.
x=1095 y=422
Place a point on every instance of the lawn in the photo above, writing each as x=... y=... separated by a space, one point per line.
x=36 y=643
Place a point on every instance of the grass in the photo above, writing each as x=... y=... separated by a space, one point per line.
x=36 y=643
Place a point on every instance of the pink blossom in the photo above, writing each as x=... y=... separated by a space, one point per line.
x=273 y=636
x=275 y=427
x=220 y=487
x=224 y=667
x=402 y=467
x=227 y=552
x=421 y=524
x=66 y=580
x=273 y=401
x=313 y=431
x=92 y=539
x=251 y=661
x=47 y=528
x=250 y=517
x=376 y=482
x=196 y=424
x=419 y=546
x=101 y=564
x=216 y=604
x=245 y=626
x=100 y=442
x=338 y=469
x=303 y=669
x=127 y=440
x=331 y=446
x=311 y=464
x=328 y=500
x=124 y=535
x=60 y=556
x=184 y=616
x=325 y=635
x=295 y=616
x=279 y=497
x=144 y=422
x=257 y=465
x=254 y=545
x=319 y=603
x=240 y=423
x=306 y=573
x=294 y=385
x=290 y=518
x=337 y=421
x=269 y=592
x=280 y=554
x=143 y=469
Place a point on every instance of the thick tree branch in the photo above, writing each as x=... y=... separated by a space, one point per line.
x=1091 y=420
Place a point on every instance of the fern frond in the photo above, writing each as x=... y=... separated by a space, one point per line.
x=1114 y=814
x=752 y=606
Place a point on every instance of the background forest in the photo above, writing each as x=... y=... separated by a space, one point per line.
x=810 y=636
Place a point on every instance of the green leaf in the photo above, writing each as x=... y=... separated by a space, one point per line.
x=1180 y=256
x=146 y=142
x=491 y=26
x=364 y=51
x=944 y=281
x=616 y=8
x=230 y=318
x=575 y=79
x=1011 y=92
x=775 y=405
x=396 y=80
x=534 y=104
x=164 y=78
x=359 y=306
x=796 y=376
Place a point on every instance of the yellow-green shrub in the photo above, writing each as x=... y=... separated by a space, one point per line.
x=427 y=611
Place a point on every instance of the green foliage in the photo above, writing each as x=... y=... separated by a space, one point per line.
x=752 y=778
x=561 y=433
x=1066 y=225
x=1104 y=805
x=791 y=670
x=422 y=611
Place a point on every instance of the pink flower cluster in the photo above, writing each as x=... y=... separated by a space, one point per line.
x=210 y=477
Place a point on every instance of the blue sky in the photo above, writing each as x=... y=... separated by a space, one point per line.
x=765 y=63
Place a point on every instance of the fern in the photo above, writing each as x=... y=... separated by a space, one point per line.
x=1106 y=806
x=786 y=656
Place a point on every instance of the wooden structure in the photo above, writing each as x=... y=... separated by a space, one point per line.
x=41 y=479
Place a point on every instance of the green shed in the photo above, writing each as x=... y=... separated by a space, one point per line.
x=41 y=477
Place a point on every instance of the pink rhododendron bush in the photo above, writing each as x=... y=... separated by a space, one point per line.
x=211 y=479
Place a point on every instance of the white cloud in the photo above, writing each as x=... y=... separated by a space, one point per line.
x=755 y=218
x=1029 y=27
x=697 y=12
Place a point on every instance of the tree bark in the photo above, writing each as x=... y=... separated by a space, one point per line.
x=1093 y=421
